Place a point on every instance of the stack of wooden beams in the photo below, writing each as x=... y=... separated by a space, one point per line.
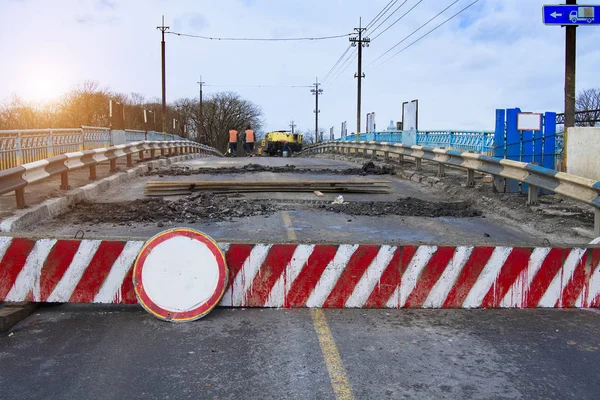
x=182 y=187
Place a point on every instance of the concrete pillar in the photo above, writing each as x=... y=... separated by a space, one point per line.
x=441 y=170
x=470 y=178
x=597 y=221
x=532 y=195
x=418 y=162
x=64 y=180
x=20 y=195
x=93 y=172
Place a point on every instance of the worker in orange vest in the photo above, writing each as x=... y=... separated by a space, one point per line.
x=233 y=139
x=249 y=141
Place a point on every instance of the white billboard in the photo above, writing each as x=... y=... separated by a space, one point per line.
x=410 y=115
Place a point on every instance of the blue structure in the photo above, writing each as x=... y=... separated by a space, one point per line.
x=537 y=147
x=561 y=15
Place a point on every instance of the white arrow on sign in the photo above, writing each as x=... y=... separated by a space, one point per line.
x=555 y=14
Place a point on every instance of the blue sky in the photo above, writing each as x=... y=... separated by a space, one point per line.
x=497 y=54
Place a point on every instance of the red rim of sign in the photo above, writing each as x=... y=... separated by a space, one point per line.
x=199 y=311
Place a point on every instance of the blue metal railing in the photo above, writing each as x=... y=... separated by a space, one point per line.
x=476 y=141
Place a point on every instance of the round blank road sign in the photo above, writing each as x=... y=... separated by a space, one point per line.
x=180 y=275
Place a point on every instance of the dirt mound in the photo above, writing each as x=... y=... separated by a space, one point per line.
x=368 y=168
x=203 y=206
x=406 y=207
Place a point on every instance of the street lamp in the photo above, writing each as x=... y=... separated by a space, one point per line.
x=146 y=112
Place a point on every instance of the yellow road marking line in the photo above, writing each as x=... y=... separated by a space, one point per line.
x=331 y=355
x=287 y=221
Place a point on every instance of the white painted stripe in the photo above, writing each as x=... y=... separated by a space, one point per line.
x=561 y=279
x=4 y=245
x=29 y=277
x=444 y=284
x=371 y=277
x=330 y=275
x=413 y=271
x=487 y=277
x=244 y=278
x=593 y=288
x=292 y=270
x=518 y=292
x=394 y=299
x=110 y=291
x=65 y=287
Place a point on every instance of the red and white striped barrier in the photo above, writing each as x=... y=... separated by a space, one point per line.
x=305 y=275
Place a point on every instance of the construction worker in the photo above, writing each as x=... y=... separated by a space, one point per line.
x=233 y=139
x=249 y=141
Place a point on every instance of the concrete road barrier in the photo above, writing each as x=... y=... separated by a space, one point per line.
x=318 y=275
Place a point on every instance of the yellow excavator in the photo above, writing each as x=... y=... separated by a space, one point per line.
x=281 y=143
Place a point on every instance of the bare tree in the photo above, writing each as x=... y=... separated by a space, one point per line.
x=588 y=100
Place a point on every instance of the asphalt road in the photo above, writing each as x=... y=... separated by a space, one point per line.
x=115 y=352
x=307 y=225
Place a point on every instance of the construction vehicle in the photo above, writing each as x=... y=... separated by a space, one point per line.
x=280 y=143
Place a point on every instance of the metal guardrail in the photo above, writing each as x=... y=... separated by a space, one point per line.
x=17 y=178
x=572 y=186
x=18 y=147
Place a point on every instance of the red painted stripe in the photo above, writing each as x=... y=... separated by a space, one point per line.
x=389 y=282
x=468 y=276
x=12 y=263
x=274 y=265
x=235 y=258
x=306 y=281
x=429 y=276
x=57 y=263
x=128 y=290
x=595 y=302
x=515 y=263
x=579 y=280
x=548 y=270
x=356 y=267
x=96 y=272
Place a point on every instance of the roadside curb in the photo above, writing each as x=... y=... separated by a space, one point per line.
x=13 y=313
x=23 y=219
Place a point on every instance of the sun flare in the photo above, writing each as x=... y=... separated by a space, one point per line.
x=44 y=83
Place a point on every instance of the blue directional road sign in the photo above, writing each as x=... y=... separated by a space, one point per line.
x=571 y=15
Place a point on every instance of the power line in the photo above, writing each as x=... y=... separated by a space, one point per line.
x=413 y=32
x=381 y=13
x=388 y=17
x=336 y=63
x=263 y=86
x=399 y=19
x=427 y=33
x=259 y=39
x=344 y=66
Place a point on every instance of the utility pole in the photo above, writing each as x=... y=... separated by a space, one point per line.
x=162 y=29
x=316 y=91
x=570 y=50
x=360 y=42
x=292 y=125
x=201 y=130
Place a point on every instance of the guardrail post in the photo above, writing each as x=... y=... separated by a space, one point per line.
x=20 y=195
x=141 y=155
x=152 y=153
x=532 y=195
x=64 y=180
x=113 y=165
x=441 y=170
x=470 y=177
x=129 y=160
x=93 y=172
x=162 y=152
x=597 y=221
x=386 y=156
x=418 y=162
x=400 y=158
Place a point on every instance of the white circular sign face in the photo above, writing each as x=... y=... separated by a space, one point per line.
x=180 y=275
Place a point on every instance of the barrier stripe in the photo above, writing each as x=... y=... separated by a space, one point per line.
x=306 y=275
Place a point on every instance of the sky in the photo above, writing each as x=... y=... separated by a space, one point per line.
x=496 y=54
